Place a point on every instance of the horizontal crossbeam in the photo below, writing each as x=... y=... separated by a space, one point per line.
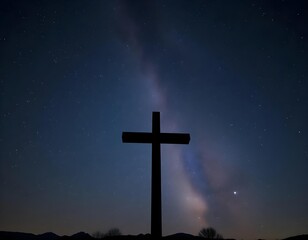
x=165 y=138
x=140 y=137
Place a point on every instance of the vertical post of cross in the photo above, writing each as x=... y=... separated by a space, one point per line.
x=156 y=138
x=156 y=221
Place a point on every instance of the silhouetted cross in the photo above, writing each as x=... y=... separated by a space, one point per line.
x=155 y=138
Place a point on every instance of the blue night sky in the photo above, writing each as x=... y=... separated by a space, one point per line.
x=233 y=74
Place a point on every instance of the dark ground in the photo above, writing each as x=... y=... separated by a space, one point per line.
x=84 y=236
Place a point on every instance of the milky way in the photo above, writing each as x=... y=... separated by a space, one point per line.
x=191 y=175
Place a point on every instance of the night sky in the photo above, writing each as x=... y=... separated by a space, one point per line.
x=233 y=74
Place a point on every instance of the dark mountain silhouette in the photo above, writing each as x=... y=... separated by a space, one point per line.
x=81 y=235
x=47 y=236
x=180 y=236
x=129 y=237
x=4 y=235
x=298 y=237
x=16 y=236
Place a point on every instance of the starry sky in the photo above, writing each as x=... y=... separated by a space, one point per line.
x=75 y=74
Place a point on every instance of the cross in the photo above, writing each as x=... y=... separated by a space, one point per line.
x=156 y=138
